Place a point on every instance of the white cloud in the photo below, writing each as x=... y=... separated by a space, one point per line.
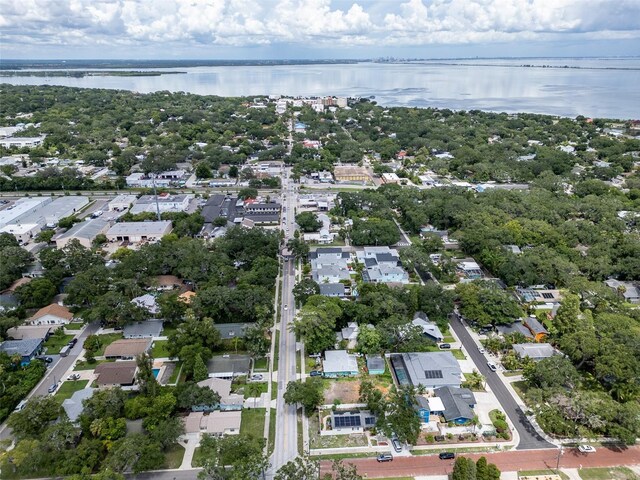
x=308 y=23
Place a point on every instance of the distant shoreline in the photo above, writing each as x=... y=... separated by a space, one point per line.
x=82 y=73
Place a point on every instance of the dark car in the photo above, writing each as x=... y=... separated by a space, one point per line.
x=73 y=342
x=385 y=457
x=315 y=373
x=439 y=438
x=445 y=346
x=447 y=455
x=48 y=359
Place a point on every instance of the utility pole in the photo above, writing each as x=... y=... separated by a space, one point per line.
x=559 y=455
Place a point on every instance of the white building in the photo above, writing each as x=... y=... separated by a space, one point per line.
x=51 y=213
x=22 y=231
x=21 y=209
x=122 y=202
x=390 y=178
x=165 y=203
x=135 y=232
x=163 y=179
x=21 y=142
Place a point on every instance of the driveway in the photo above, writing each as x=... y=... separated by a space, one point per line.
x=529 y=437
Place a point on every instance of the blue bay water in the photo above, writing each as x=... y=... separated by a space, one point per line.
x=607 y=88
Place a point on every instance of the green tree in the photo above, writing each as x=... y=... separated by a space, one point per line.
x=308 y=394
x=315 y=323
x=189 y=394
x=369 y=340
x=301 y=468
x=308 y=222
x=147 y=381
x=304 y=289
x=200 y=371
x=38 y=413
x=400 y=417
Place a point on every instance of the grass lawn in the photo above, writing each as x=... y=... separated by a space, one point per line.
x=160 y=350
x=453 y=449
x=105 y=340
x=173 y=456
x=261 y=365
x=615 y=473
x=176 y=371
x=73 y=326
x=166 y=331
x=272 y=430
x=448 y=339
x=532 y=473
x=253 y=422
x=344 y=456
x=458 y=354
x=56 y=342
x=198 y=458
x=255 y=389
x=68 y=388
x=274 y=390
x=80 y=365
x=275 y=351
x=300 y=439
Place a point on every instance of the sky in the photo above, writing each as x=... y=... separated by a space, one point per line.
x=316 y=29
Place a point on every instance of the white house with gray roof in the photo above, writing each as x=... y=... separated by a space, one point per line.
x=429 y=328
x=429 y=369
x=534 y=351
x=339 y=363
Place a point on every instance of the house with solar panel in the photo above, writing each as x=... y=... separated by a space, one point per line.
x=428 y=369
x=351 y=421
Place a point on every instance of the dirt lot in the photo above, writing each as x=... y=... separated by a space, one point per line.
x=343 y=390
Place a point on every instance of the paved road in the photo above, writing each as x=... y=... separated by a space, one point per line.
x=286 y=442
x=57 y=371
x=529 y=437
x=505 y=461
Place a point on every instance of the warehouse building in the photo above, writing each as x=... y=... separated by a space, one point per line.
x=85 y=232
x=51 y=213
x=136 y=232
x=22 y=208
x=23 y=232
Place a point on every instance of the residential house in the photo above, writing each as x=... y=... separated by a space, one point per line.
x=534 y=351
x=28 y=349
x=73 y=406
x=148 y=329
x=349 y=335
x=126 y=349
x=215 y=423
x=458 y=404
x=332 y=290
x=536 y=328
x=148 y=302
x=220 y=206
x=352 y=421
x=375 y=364
x=229 y=331
x=187 y=296
x=429 y=328
x=628 y=291
x=25 y=332
x=516 y=327
x=116 y=374
x=228 y=400
x=469 y=269
x=229 y=366
x=428 y=406
x=339 y=363
x=382 y=265
x=53 y=314
x=429 y=369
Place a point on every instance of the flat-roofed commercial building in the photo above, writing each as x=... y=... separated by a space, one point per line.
x=21 y=209
x=51 y=213
x=350 y=173
x=135 y=232
x=166 y=203
x=85 y=232
x=22 y=231
x=122 y=202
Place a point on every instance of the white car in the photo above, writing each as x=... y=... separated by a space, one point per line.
x=481 y=350
x=586 y=449
x=492 y=366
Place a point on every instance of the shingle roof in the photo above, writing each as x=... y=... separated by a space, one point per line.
x=456 y=402
x=116 y=373
x=24 y=348
x=128 y=347
x=332 y=289
x=150 y=328
x=73 y=406
x=534 y=350
x=53 y=309
x=232 y=330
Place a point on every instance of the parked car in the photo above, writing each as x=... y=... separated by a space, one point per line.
x=73 y=376
x=256 y=376
x=73 y=342
x=447 y=455
x=586 y=449
x=48 y=359
x=385 y=457
x=52 y=388
x=492 y=366
x=481 y=350
x=439 y=438
x=445 y=346
x=315 y=373
x=20 y=406
x=397 y=446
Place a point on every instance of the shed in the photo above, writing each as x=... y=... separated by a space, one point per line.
x=375 y=364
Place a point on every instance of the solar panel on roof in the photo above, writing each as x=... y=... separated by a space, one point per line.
x=369 y=421
x=547 y=295
x=347 y=421
x=433 y=374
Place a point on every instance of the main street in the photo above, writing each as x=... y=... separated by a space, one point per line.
x=286 y=441
x=529 y=437
x=57 y=371
x=506 y=461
